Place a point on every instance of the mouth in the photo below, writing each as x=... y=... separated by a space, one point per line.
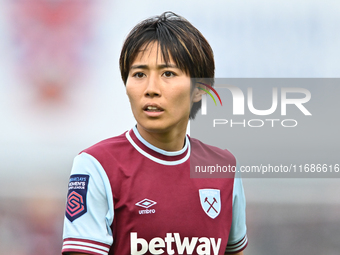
x=152 y=108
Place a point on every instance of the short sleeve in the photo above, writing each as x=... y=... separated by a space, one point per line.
x=238 y=233
x=89 y=209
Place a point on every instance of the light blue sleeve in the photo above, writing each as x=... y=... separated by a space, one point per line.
x=238 y=233
x=91 y=231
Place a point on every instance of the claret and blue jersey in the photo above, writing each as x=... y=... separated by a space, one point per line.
x=128 y=197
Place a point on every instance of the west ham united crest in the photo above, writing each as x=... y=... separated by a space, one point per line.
x=211 y=202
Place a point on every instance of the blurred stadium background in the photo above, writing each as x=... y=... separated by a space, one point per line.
x=60 y=92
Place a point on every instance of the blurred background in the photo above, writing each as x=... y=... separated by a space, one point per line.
x=60 y=92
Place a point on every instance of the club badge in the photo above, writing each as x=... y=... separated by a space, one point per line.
x=211 y=202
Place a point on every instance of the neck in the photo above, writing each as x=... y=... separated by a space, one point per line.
x=168 y=141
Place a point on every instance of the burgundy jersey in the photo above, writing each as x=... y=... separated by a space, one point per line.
x=128 y=197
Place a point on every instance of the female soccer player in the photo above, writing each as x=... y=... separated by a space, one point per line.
x=132 y=194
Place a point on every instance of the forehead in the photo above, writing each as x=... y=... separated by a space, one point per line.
x=152 y=52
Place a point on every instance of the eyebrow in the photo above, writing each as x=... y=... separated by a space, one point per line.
x=158 y=66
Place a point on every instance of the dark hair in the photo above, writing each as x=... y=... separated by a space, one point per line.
x=177 y=38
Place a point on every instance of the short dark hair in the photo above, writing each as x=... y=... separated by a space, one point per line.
x=177 y=38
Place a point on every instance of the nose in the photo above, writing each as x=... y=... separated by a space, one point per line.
x=153 y=87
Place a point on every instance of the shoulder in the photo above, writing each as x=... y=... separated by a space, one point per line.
x=108 y=147
x=207 y=161
x=107 y=143
x=209 y=150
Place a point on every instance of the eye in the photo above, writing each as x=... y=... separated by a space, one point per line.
x=169 y=74
x=138 y=75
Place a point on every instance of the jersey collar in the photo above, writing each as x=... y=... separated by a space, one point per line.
x=155 y=154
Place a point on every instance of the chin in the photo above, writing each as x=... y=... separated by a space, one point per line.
x=155 y=128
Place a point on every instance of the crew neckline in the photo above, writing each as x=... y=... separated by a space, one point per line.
x=156 y=154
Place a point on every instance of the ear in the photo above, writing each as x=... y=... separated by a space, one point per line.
x=198 y=92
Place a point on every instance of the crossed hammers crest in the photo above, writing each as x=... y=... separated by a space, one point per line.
x=211 y=204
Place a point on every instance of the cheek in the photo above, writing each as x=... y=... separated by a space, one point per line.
x=128 y=94
x=131 y=93
x=183 y=101
x=132 y=100
x=182 y=93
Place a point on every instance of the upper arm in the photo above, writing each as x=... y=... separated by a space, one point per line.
x=89 y=209
x=238 y=232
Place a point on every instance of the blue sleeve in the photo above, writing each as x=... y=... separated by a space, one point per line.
x=89 y=208
x=238 y=233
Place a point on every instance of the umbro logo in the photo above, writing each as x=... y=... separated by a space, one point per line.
x=146 y=203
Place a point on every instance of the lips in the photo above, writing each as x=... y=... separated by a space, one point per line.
x=153 y=108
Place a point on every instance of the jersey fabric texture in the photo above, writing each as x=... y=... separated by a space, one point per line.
x=128 y=197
